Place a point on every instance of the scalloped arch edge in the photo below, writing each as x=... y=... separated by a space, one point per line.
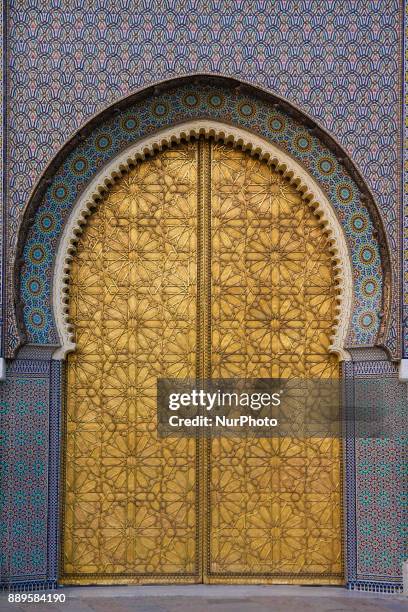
x=307 y=186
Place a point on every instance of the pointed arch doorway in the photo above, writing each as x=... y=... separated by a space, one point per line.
x=202 y=260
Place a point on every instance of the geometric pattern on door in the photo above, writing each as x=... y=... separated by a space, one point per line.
x=201 y=261
x=274 y=503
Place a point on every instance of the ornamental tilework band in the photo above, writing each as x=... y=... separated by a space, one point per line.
x=376 y=481
x=173 y=107
x=28 y=507
x=308 y=52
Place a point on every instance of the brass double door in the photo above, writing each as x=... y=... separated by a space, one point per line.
x=200 y=261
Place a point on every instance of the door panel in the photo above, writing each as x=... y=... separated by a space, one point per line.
x=274 y=504
x=202 y=261
x=131 y=503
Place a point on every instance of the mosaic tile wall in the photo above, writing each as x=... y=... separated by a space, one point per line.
x=377 y=480
x=29 y=434
x=337 y=61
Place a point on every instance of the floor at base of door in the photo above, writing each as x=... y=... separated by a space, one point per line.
x=215 y=598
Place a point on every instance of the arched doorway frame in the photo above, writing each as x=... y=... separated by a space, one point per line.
x=88 y=208
x=379 y=317
x=311 y=193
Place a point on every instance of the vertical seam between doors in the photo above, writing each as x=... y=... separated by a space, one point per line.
x=203 y=365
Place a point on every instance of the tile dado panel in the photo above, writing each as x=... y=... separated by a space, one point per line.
x=376 y=479
x=29 y=466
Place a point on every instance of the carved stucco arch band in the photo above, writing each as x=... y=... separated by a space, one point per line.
x=310 y=191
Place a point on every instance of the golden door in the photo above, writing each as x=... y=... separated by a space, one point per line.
x=201 y=261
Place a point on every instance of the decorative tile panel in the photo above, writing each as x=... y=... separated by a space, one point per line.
x=28 y=488
x=377 y=484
